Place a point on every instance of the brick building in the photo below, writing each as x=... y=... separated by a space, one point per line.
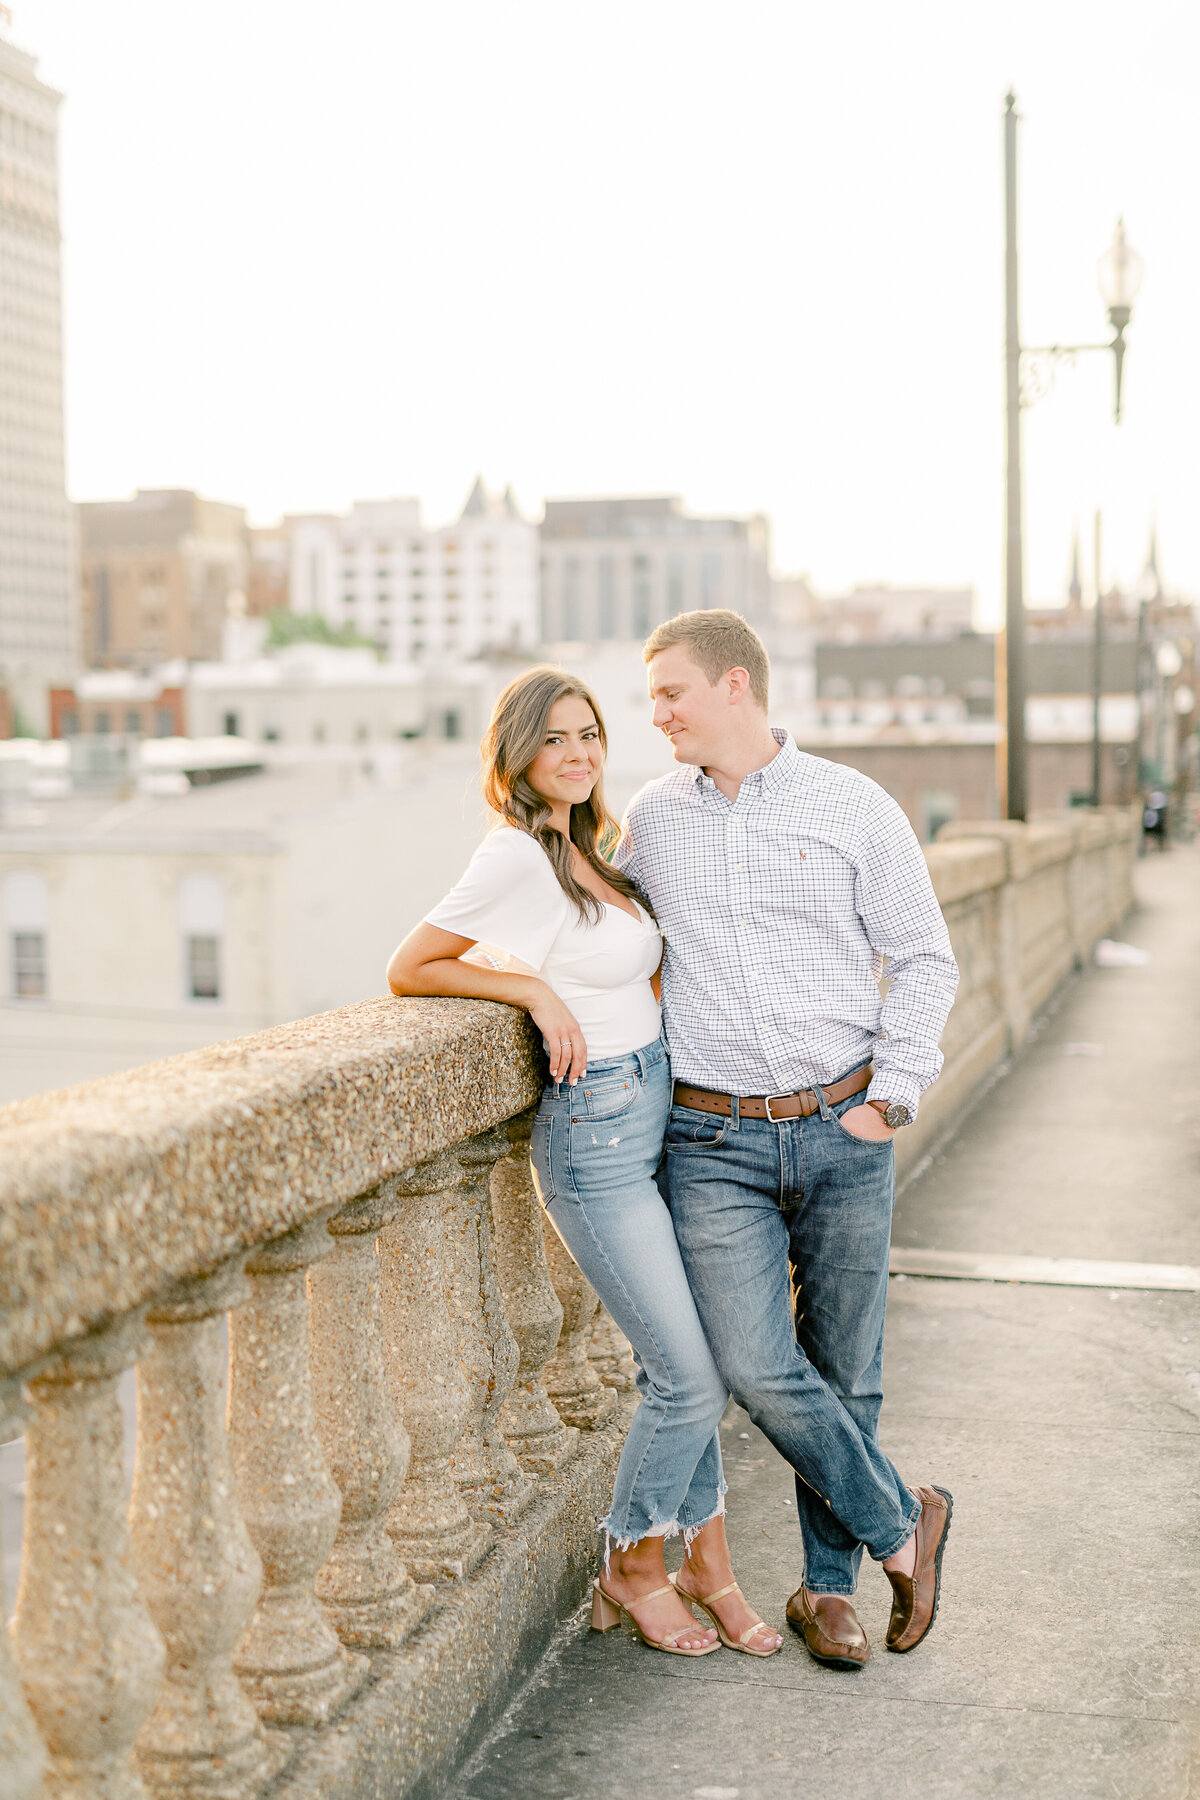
x=115 y=704
x=157 y=572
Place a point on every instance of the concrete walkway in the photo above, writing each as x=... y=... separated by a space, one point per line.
x=1065 y=1663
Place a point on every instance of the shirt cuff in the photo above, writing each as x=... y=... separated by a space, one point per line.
x=896 y=1088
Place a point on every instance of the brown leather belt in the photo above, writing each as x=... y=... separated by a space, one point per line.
x=772 y=1106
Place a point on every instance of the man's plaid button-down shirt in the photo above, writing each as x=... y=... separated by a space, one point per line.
x=778 y=910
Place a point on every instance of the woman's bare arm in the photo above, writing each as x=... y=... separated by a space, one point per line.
x=429 y=961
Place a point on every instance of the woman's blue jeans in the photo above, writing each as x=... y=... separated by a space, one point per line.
x=595 y=1148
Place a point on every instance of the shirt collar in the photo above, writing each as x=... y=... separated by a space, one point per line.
x=776 y=774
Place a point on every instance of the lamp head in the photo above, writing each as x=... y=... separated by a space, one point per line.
x=1120 y=276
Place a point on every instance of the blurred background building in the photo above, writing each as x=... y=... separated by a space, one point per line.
x=175 y=900
x=420 y=594
x=614 y=568
x=156 y=573
x=37 y=600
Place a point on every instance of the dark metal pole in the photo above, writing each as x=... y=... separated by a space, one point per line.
x=1097 y=647
x=1142 y=689
x=1015 y=796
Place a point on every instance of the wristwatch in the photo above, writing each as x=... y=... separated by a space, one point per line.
x=893 y=1113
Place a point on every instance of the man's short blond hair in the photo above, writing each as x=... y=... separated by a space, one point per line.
x=717 y=640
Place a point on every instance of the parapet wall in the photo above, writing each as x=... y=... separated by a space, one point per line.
x=1024 y=904
x=340 y=1556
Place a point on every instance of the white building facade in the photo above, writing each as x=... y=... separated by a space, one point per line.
x=135 y=928
x=613 y=569
x=422 y=594
x=37 y=589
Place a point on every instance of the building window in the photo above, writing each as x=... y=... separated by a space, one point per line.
x=606 y=599
x=674 y=585
x=451 y=724
x=133 y=723
x=203 y=966
x=202 y=929
x=26 y=922
x=28 y=974
x=164 y=722
x=570 y=599
x=939 y=806
x=230 y=726
x=70 y=724
x=101 y=723
x=103 y=613
x=712 y=585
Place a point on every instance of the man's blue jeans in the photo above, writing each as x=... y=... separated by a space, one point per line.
x=784 y=1230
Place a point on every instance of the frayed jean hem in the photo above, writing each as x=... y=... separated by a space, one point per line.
x=615 y=1540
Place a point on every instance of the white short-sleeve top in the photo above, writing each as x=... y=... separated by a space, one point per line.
x=510 y=899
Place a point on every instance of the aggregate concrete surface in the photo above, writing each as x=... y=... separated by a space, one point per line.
x=1065 y=1662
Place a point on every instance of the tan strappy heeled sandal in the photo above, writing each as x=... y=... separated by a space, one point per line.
x=740 y=1643
x=606 y=1612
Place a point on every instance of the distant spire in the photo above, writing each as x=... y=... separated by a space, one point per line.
x=510 y=503
x=1075 y=591
x=1150 y=572
x=477 y=506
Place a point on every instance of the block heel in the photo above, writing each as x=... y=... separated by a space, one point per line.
x=605 y=1612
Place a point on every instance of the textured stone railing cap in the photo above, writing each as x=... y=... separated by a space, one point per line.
x=112 y=1191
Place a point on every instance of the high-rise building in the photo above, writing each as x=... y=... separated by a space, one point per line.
x=37 y=588
x=615 y=568
x=422 y=594
x=157 y=573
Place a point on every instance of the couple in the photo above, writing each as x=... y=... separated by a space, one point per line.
x=720 y=1171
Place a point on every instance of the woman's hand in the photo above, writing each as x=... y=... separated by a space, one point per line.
x=863 y=1121
x=564 y=1039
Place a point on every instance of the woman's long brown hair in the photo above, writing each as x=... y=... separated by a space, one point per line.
x=517 y=733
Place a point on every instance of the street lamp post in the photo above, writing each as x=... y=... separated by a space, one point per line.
x=1013 y=776
x=1120 y=275
x=1097 y=652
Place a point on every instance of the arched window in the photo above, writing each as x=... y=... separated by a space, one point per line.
x=202 y=930
x=26 y=926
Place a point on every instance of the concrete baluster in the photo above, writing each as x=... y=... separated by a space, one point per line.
x=22 y=1753
x=571 y=1381
x=489 y=1477
x=89 y=1655
x=289 y=1657
x=531 y=1423
x=196 y=1566
x=610 y=1354
x=429 y=1522
x=365 y=1587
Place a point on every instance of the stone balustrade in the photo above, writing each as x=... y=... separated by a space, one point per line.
x=356 y=1511
x=1024 y=904
x=379 y=1408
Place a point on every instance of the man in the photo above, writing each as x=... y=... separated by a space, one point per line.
x=781 y=883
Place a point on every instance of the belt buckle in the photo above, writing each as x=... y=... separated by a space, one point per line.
x=767 y=1098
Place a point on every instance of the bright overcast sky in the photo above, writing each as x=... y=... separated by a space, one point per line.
x=750 y=253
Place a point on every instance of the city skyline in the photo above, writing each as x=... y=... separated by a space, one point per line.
x=371 y=259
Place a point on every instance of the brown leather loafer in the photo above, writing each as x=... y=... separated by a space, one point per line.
x=829 y=1626
x=915 y=1598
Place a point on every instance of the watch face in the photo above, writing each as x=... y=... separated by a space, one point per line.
x=896 y=1116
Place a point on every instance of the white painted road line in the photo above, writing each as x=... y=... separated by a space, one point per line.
x=1051 y=1271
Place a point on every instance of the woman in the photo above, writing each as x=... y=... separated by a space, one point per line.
x=541 y=920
